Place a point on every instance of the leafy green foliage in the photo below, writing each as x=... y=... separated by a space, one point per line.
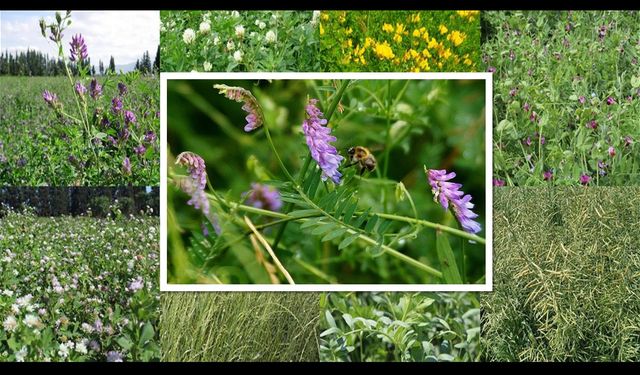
x=399 y=327
x=239 y=327
x=566 y=276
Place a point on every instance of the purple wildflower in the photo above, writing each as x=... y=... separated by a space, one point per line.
x=593 y=124
x=116 y=105
x=498 y=182
x=254 y=118
x=136 y=284
x=50 y=98
x=547 y=175
x=264 y=196
x=527 y=141
x=533 y=116
x=602 y=32
x=21 y=162
x=139 y=149
x=123 y=135
x=612 y=151
x=114 y=356
x=318 y=139
x=126 y=166
x=94 y=345
x=78 y=48
x=526 y=107
x=197 y=182
x=602 y=167
x=585 y=179
x=80 y=89
x=122 y=88
x=491 y=69
x=129 y=117
x=611 y=100
x=513 y=91
x=150 y=136
x=628 y=141
x=582 y=99
x=447 y=193
x=95 y=89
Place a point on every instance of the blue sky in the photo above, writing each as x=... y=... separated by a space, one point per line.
x=123 y=34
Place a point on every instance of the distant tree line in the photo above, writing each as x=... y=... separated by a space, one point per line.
x=58 y=201
x=36 y=63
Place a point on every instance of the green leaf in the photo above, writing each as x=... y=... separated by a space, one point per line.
x=447 y=260
x=342 y=207
x=375 y=250
x=361 y=218
x=347 y=241
x=383 y=226
x=124 y=342
x=348 y=319
x=147 y=333
x=330 y=320
x=445 y=357
x=315 y=182
x=311 y=222
x=324 y=228
x=329 y=331
x=371 y=224
x=302 y=213
x=100 y=135
x=334 y=234
x=348 y=212
x=298 y=202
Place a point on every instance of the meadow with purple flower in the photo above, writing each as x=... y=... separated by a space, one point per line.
x=265 y=187
x=77 y=129
x=578 y=76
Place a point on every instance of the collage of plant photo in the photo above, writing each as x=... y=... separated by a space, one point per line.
x=337 y=186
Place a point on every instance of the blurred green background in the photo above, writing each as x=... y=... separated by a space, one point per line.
x=406 y=124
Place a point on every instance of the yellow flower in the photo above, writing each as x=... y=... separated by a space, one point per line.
x=348 y=31
x=399 y=28
x=415 y=18
x=424 y=65
x=415 y=70
x=456 y=37
x=468 y=14
x=443 y=29
x=321 y=29
x=363 y=61
x=444 y=53
x=413 y=53
x=350 y=43
x=426 y=53
x=343 y=17
x=397 y=38
x=468 y=61
x=416 y=33
x=368 y=42
x=383 y=50
x=387 y=27
x=432 y=44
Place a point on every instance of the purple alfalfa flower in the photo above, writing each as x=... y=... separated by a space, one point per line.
x=114 y=356
x=319 y=140
x=123 y=134
x=526 y=106
x=547 y=175
x=254 y=117
x=150 y=136
x=611 y=100
x=449 y=194
x=263 y=196
x=593 y=124
x=533 y=116
x=513 y=92
x=585 y=179
x=126 y=166
x=628 y=141
x=122 y=89
x=112 y=140
x=129 y=117
x=491 y=69
x=78 y=48
x=541 y=139
x=498 y=182
x=80 y=89
x=116 y=105
x=527 y=141
x=50 y=98
x=21 y=162
x=139 y=149
x=94 y=345
x=611 y=151
x=582 y=99
x=95 y=89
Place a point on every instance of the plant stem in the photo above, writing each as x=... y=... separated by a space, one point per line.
x=269 y=250
x=444 y=228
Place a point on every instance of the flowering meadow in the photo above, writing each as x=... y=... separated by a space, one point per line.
x=567 y=96
x=312 y=181
x=220 y=41
x=571 y=292
x=400 y=327
x=402 y=41
x=80 y=129
x=78 y=288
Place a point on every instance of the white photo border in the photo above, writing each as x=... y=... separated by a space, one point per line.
x=486 y=287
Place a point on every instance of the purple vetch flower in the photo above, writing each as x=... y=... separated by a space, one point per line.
x=582 y=99
x=593 y=124
x=95 y=89
x=513 y=91
x=449 y=193
x=98 y=326
x=197 y=181
x=116 y=105
x=254 y=118
x=150 y=136
x=526 y=107
x=533 y=116
x=136 y=284
x=94 y=345
x=628 y=141
x=318 y=139
x=129 y=117
x=80 y=89
x=263 y=196
x=498 y=182
x=122 y=88
x=114 y=356
x=585 y=179
x=78 y=48
x=50 y=98
x=491 y=69
x=542 y=139
x=612 y=151
x=611 y=100
x=547 y=175
x=112 y=140
x=139 y=149
x=602 y=167
x=527 y=141
x=126 y=166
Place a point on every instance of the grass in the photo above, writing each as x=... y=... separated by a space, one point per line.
x=567 y=276
x=239 y=327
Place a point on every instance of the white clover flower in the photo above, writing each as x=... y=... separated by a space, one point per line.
x=270 y=37
x=237 y=55
x=63 y=351
x=25 y=300
x=261 y=25
x=235 y=14
x=32 y=321
x=81 y=348
x=21 y=354
x=231 y=45
x=189 y=36
x=216 y=41
x=207 y=68
x=205 y=27
x=239 y=31
x=253 y=35
x=10 y=323
x=87 y=328
x=315 y=17
x=8 y=293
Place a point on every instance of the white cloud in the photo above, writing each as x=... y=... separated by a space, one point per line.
x=123 y=34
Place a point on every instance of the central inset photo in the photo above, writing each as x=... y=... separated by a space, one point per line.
x=326 y=182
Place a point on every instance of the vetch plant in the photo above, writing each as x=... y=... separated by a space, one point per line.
x=261 y=233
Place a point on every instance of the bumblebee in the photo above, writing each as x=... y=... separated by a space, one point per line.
x=363 y=158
